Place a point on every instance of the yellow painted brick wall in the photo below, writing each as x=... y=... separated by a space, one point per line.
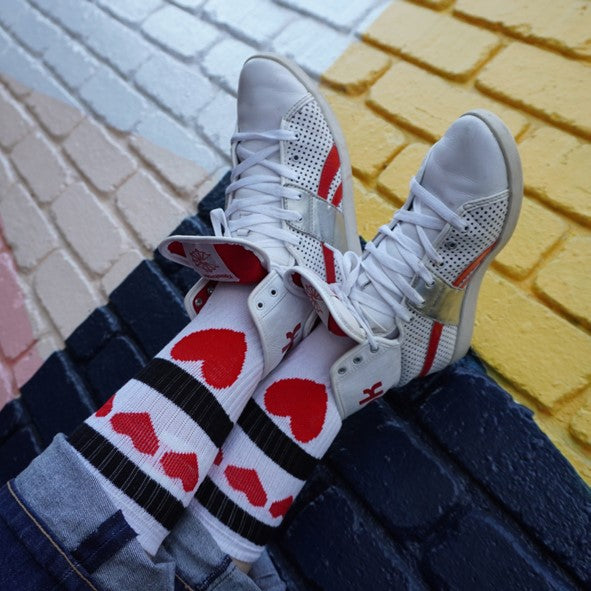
x=420 y=65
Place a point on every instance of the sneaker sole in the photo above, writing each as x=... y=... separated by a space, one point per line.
x=515 y=182
x=351 y=233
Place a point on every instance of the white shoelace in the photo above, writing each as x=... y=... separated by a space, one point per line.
x=390 y=276
x=259 y=213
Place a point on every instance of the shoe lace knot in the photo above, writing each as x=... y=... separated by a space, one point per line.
x=392 y=276
x=258 y=212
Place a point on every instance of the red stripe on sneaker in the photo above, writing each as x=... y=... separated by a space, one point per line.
x=331 y=275
x=463 y=277
x=338 y=195
x=330 y=169
x=432 y=348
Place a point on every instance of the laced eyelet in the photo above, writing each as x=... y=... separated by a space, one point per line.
x=342 y=370
x=357 y=360
x=430 y=285
x=300 y=218
x=372 y=350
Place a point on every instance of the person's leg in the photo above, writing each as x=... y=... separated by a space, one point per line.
x=284 y=430
x=148 y=448
x=408 y=307
x=152 y=443
x=60 y=530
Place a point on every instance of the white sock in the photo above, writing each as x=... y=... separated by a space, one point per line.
x=287 y=426
x=153 y=442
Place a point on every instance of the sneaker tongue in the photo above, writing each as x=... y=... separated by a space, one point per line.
x=430 y=176
x=266 y=92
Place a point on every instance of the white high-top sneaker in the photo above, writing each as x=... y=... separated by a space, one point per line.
x=410 y=300
x=290 y=202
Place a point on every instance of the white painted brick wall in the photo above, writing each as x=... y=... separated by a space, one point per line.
x=130 y=11
x=70 y=61
x=15 y=121
x=178 y=31
x=224 y=61
x=120 y=46
x=164 y=70
x=148 y=209
x=26 y=228
x=113 y=99
x=177 y=88
x=98 y=244
x=55 y=272
x=98 y=158
x=41 y=166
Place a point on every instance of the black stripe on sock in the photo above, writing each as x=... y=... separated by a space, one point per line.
x=126 y=475
x=271 y=440
x=231 y=515
x=190 y=395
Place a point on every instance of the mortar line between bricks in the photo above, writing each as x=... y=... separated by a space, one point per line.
x=131 y=82
x=423 y=434
x=38 y=59
x=45 y=209
x=402 y=549
x=94 y=279
x=286 y=562
x=540 y=42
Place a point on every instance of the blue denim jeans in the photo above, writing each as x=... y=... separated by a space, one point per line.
x=59 y=530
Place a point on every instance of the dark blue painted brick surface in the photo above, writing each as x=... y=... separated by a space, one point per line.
x=150 y=306
x=479 y=555
x=12 y=416
x=17 y=452
x=336 y=549
x=87 y=339
x=56 y=397
x=117 y=362
x=406 y=488
x=502 y=447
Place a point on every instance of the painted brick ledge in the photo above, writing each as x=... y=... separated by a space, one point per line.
x=446 y=483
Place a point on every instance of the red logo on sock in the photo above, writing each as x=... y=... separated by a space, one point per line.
x=221 y=350
x=303 y=401
x=138 y=426
x=183 y=466
x=374 y=392
x=106 y=408
x=247 y=481
x=279 y=508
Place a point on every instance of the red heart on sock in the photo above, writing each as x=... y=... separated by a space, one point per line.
x=279 y=508
x=183 y=466
x=138 y=426
x=246 y=480
x=222 y=351
x=106 y=408
x=303 y=401
x=177 y=247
